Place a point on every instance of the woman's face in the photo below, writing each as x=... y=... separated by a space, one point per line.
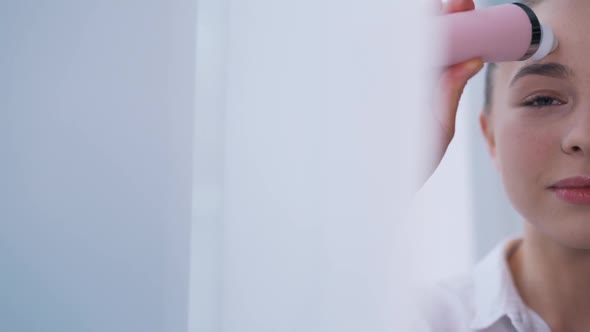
x=538 y=127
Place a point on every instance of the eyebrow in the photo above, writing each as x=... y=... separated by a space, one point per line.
x=551 y=69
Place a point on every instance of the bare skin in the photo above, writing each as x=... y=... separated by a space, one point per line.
x=538 y=132
x=535 y=143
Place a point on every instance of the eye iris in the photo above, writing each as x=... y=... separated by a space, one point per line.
x=544 y=101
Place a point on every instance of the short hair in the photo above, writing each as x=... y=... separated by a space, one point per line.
x=530 y=3
x=489 y=85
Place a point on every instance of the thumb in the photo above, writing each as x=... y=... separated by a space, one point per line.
x=459 y=74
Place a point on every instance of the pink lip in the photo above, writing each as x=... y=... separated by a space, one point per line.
x=574 y=190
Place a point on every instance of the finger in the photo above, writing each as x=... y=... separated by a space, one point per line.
x=453 y=6
x=460 y=73
x=456 y=77
x=453 y=83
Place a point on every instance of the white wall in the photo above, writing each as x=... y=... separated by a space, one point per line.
x=208 y=175
x=96 y=107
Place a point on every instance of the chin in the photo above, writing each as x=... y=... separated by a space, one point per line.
x=575 y=240
x=571 y=231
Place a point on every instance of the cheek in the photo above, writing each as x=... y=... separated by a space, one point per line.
x=525 y=151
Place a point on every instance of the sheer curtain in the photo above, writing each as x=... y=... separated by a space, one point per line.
x=307 y=125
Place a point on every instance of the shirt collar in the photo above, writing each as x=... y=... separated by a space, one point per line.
x=495 y=294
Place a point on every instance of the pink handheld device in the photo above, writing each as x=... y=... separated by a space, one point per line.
x=510 y=32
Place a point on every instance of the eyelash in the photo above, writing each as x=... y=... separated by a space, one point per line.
x=531 y=101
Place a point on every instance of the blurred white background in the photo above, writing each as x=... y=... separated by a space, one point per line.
x=96 y=127
x=288 y=128
x=303 y=173
x=277 y=244
x=285 y=227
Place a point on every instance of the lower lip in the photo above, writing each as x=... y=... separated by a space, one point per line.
x=574 y=195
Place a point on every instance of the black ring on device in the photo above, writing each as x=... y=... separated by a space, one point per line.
x=536 y=31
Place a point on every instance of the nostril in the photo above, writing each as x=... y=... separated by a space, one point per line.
x=576 y=148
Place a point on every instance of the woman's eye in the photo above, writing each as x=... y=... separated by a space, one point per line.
x=542 y=101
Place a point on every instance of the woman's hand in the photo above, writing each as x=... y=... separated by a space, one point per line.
x=450 y=86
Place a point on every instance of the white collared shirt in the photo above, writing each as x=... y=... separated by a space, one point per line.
x=484 y=300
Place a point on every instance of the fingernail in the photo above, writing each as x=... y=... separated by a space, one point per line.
x=474 y=65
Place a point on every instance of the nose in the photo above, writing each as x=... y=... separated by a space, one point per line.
x=577 y=139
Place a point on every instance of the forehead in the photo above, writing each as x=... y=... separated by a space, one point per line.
x=571 y=24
